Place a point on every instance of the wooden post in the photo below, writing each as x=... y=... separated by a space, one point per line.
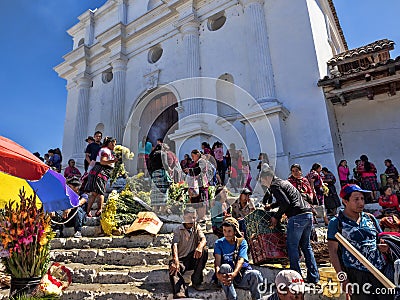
x=378 y=274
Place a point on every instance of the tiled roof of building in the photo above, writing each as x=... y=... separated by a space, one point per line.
x=373 y=47
x=333 y=9
x=374 y=66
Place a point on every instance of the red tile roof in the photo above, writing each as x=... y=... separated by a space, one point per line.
x=370 y=48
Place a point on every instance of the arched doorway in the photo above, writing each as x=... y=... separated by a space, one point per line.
x=158 y=117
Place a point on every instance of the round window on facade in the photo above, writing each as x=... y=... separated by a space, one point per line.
x=155 y=54
x=107 y=76
x=216 y=22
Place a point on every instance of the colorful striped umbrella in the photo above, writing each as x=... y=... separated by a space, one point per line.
x=21 y=169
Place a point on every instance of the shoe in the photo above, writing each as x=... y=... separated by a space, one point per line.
x=199 y=287
x=78 y=234
x=89 y=215
x=98 y=213
x=179 y=296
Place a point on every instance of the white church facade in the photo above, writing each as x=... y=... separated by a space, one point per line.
x=260 y=59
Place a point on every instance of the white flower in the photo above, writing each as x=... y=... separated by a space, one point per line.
x=123 y=152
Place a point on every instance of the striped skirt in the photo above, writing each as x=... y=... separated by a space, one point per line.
x=97 y=179
x=159 y=188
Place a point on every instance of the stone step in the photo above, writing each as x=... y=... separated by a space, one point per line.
x=142 y=292
x=92 y=228
x=117 y=256
x=118 y=274
x=137 y=241
x=156 y=292
x=108 y=274
x=89 y=231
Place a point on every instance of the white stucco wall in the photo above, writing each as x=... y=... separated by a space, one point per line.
x=297 y=63
x=371 y=127
x=308 y=137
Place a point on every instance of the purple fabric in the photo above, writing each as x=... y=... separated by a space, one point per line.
x=54 y=193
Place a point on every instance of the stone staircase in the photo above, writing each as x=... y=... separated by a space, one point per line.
x=123 y=267
x=134 y=267
x=130 y=267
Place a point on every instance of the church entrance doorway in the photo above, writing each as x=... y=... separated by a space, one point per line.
x=159 y=119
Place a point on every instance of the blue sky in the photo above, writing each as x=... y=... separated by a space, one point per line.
x=33 y=40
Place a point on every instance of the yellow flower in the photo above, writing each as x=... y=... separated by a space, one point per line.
x=43 y=241
x=47 y=228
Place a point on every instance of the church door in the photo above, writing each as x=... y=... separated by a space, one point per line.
x=159 y=119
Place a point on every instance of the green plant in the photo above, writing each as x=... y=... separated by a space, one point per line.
x=178 y=197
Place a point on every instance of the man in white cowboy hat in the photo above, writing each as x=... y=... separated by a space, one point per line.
x=289 y=285
x=232 y=266
x=189 y=252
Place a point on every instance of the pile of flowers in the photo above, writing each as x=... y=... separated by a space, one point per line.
x=122 y=153
x=107 y=220
x=25 y=232
x=122 y=208
x=140 y=186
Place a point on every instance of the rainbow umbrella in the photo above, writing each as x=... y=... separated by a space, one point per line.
x=21 y=169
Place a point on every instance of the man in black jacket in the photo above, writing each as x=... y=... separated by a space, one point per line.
x=300 y=218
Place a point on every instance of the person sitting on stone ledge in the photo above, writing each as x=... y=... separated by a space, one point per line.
x=241 y=208
x=232 y=266
x=189 y=252
x=74 y=217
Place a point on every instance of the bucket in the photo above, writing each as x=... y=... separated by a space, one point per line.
x=23 y=286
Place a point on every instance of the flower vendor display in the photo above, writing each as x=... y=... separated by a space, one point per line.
x=122 y=208
x=122 y=153
x=25 y=232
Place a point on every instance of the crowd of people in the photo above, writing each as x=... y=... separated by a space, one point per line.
x=298 y=198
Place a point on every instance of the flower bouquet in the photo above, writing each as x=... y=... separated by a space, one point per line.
x=120 y=152
x=54 y=282
x=25 y=233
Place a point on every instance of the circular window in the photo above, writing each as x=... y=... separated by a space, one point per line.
x=216 y=22
x=107 y=76
x=155 y=54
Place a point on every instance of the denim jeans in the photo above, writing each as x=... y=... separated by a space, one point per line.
x=251 y=279
x=298 y=235
x=79 y=219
